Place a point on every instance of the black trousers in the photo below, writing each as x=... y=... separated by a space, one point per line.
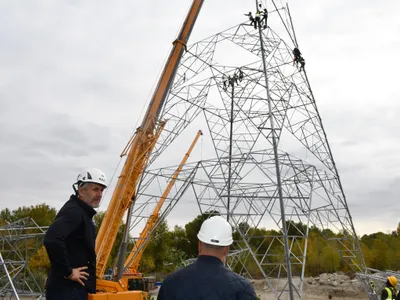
x=66 y=293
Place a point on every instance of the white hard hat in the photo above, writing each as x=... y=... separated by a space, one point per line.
x=216 y=231
x=91 y=175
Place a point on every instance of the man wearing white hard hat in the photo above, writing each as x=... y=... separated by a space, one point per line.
x=70 y=240
x=208 y=278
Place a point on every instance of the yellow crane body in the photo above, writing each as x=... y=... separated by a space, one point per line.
x=126 y=295
x=133 y=260
x=137 y=154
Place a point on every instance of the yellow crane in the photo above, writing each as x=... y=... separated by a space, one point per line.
x=137 y=154
x=133 y=260
x=121 y=287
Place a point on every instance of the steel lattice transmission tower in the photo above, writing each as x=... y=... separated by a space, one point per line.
x=19 y=241
x=269 y=162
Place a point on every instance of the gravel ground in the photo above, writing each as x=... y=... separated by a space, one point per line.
x=326 y=286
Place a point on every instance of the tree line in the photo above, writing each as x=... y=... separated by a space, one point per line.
x=169 y=247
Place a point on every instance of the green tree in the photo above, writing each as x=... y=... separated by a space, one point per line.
x=42 y=214
x=330 y=259
x=395 y=260
x=6 y=215
x=167 y=248
x=40 y=261
x=156 y=251
x=367 y=254
x=295 y=229
x=380 y=255
x=313 y=265
x=192 y=228
x=178 y=239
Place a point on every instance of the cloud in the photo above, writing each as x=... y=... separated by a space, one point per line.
x=76 y=78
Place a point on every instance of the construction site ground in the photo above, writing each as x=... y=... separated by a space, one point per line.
x=326 y=286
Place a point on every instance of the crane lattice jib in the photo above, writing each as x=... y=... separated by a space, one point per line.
x=141 y=147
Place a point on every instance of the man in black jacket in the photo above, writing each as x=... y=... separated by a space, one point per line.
x=208 y=278
x=70 y=241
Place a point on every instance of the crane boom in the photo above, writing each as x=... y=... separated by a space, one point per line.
x=141 y=147
x=133 y=260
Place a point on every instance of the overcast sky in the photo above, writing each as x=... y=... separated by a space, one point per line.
x=75 y=77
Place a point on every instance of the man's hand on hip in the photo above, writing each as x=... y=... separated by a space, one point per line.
x=78 y=275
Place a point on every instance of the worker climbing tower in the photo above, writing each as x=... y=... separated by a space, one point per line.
x=266 y=163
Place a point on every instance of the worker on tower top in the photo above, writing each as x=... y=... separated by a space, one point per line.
x=251 y=18
x=265 y=18
x=257 y=19
x=208 y=278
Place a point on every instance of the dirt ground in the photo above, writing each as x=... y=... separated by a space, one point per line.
x=326 y=286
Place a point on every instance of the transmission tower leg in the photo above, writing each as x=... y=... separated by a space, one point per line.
x=277 y=167
x=8 y=276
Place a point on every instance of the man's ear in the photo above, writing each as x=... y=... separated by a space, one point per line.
x=226 y=250
x=80 y=191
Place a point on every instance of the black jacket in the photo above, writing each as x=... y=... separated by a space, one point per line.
x=70 y=243
x=385 y=294
x=206 y=279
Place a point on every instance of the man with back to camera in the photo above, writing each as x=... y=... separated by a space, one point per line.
x=70 y=240
x=208 y=278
